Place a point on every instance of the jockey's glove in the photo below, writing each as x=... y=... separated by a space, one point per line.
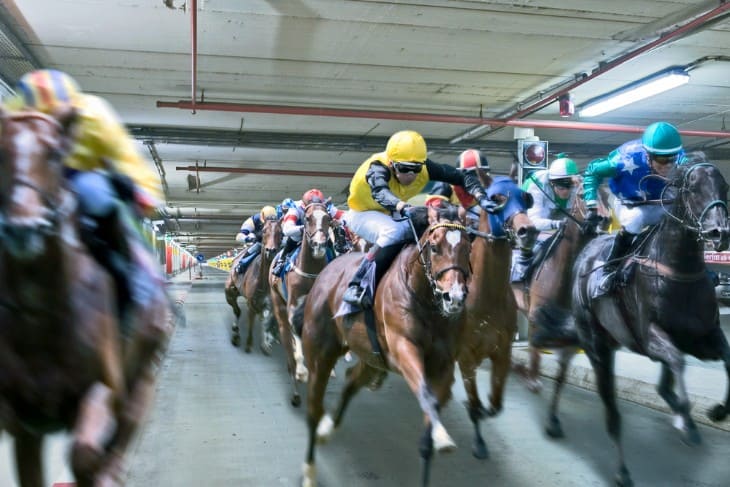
x=487 y=204
x=591 y=221
x=556 y=224
x=250 y=238
x=406 y=210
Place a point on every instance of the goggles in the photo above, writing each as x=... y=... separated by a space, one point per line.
x=563 y=184
x=406 y=167
x=664 y=160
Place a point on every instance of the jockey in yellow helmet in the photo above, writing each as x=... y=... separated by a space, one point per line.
x=103 y=167
x=250 y=234
x=378 y=194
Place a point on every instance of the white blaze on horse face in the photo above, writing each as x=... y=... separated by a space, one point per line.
x=453 y=237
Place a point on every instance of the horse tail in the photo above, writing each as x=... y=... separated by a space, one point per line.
x=297 y=319
x=554 y=328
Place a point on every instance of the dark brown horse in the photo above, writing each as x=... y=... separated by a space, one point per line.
x=664 y=307
x=491 y=311
x=417 y=321
x=287 y=295
x=63 y=362
x=551 y=281
x=253 y=285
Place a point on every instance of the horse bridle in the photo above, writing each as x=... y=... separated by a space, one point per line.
x=49 y=203
x=310 y=236
x=695 y=223
x=426 y=262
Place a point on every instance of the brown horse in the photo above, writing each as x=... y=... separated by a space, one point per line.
x=286 y=295
x=253 y=285
x=551 y=281
x=491 y=311
x=63 y=362
x=417 y=321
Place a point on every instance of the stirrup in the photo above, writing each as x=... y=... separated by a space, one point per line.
x=607 y=284
x=356 y=295
x=276 y=270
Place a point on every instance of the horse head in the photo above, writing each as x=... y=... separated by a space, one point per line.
x=317 y=222
x=271 y=236
x=445 y=249
x=510 y=216
x=32 y=193
x=701 y=202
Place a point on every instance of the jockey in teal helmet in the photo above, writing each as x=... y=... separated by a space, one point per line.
x=626 y=168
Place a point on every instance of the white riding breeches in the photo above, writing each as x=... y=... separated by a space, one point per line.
x=634 y=219
x=378 y=228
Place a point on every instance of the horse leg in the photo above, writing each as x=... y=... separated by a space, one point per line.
x=301 y=372
x=602 y=360
x=356 y=377
x=28 y=458
x=720 y=411
x=534 y=384
x=267 y=334
x=251 y=323
x=95 y=425
x=232 y=299
x=661 y=348
x=474 y=405
x=553 y=427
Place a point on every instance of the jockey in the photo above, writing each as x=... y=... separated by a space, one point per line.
x=283 y=207
x=471 y=161
x=378 y=194
x=292 y=225
x=551 y=191
x=627 y=167
x=103 y=168
x=250 y=234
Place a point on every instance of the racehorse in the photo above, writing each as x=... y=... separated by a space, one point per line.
x=253 y=285
x=664 y=307
x=491 y=311
x=415 y=330
x=550 y=282
x=64 y=364
x=287 y=293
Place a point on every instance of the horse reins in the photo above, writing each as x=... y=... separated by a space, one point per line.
x=432 y=278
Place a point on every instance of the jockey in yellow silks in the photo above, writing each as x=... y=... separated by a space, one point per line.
x=378 y=194
x=103 y=168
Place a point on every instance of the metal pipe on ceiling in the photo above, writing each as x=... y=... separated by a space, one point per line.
x=268 y=172
x=194 y=52
x=193 y=105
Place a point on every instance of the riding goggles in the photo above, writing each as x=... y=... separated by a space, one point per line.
x=563 y=184
x=406 y=167
x=664 y=160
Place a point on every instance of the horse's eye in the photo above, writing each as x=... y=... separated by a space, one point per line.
x=434 y=248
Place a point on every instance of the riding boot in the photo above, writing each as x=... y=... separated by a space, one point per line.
x=381 y=257
x=521 y=265
x=107 y=242
x=341 y=246
x=289 y=245
x=621 y=245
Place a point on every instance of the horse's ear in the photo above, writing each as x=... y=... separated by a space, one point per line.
x=528 y=198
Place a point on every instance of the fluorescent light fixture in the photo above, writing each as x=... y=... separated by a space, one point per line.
x=644 y=88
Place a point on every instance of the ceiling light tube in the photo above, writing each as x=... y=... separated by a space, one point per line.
x=644 y=88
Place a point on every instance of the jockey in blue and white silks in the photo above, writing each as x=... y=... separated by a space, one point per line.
x=629 y=169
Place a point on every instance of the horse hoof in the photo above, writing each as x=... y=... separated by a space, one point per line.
x=554 y=429
x=717 y=413
x=479 y=450
x=266 y=349
x=691 y=437
x=491 y=411
x=248 y=349
x=623 y=479
x=296 y=401
x=235 y=340
x=309 y=475
x=302 y=374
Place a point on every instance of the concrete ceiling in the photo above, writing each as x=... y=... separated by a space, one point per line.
x=310 y=80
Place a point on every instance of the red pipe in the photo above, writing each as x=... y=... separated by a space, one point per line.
x=194 y=52
x=268 y=172
x=706 y=17
x=423 y=117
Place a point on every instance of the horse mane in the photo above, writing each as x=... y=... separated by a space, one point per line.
x=419 y=215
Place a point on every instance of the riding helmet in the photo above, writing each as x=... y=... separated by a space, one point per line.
x=662 y=138
x=472 y=159
x=47 y=89
x=406 y=146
